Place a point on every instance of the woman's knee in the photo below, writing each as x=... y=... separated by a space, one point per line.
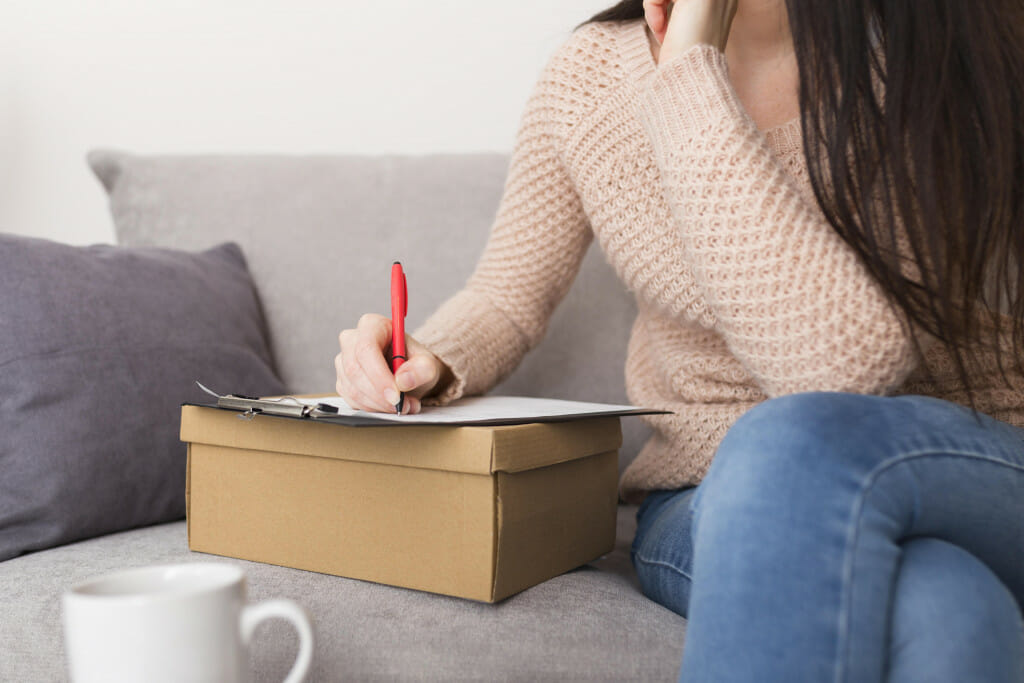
x=953 y=616
x=776 y=445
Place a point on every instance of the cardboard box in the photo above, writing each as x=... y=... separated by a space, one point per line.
x=476 y=512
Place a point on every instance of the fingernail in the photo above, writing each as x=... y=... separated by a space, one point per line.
x=392 y=396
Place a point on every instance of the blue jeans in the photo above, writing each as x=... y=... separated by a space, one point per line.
x=841 y=537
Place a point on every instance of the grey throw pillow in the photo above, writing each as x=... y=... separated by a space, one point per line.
x=99 y=346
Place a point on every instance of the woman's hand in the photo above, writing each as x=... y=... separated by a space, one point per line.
x=364 y=374
x=681 y=24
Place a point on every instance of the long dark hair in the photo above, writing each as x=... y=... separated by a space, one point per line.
x=913 y=128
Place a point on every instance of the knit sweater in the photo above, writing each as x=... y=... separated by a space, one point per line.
x=744 y=290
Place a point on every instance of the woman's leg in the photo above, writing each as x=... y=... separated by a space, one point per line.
x=953 y=620
x=662 y=549
x=799 y=522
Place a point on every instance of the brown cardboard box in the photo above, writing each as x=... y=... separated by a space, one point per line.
x=477 y=512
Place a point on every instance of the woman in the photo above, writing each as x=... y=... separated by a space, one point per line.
x=818 y=207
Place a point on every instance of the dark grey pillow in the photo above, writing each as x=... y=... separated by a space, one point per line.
x=99 y=346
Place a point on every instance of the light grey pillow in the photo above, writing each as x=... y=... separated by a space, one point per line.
x=320 y=233
x=99 y=346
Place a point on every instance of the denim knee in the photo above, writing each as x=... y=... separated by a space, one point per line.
x=953 y=618
x=782 y=437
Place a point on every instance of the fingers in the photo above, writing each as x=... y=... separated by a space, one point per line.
x=698 y=21
x=420 y=373
x=656 y=12
x=412 y=405
x=364 y=376
x=347 y=388
x=373 y=336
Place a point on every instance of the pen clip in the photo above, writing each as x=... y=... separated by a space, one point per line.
x=405 y=297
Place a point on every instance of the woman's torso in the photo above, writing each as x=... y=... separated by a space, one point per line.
x=677 y=361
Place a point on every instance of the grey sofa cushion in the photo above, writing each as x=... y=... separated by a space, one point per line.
x=320 y=234
x=591 y=624
x=99 y=346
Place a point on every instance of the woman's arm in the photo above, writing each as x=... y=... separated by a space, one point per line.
x=538 y=239
x=791 y=299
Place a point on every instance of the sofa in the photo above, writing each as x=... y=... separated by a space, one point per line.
x=319 y=234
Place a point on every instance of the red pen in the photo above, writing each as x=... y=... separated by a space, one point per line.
x=399 y=308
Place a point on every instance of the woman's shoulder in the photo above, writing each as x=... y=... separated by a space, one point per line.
x=599 y=54
x=598 y=41
x=591 y=63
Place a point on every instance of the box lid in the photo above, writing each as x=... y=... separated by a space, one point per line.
x=475 y=450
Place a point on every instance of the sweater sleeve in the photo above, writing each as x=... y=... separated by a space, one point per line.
x=537 y=242
x=791 y=299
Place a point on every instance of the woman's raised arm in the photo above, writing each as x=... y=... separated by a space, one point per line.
x=538 y=239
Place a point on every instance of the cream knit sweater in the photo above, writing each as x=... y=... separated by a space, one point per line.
x=744 y=290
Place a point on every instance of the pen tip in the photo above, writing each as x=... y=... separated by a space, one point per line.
x=401 y=402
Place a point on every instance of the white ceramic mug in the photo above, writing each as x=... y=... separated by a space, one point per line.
x=183 y=623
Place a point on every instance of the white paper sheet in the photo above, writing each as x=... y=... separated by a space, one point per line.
x=488 y=408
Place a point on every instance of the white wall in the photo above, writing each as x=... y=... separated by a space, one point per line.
x=312 y=76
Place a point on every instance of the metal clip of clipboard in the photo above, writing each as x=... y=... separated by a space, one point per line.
x=288 y=406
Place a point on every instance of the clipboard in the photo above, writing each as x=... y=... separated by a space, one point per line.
x=307 y=408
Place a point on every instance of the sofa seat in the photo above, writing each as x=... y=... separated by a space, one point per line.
x=591 y=624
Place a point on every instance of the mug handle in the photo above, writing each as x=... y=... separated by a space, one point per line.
x=252 y=615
